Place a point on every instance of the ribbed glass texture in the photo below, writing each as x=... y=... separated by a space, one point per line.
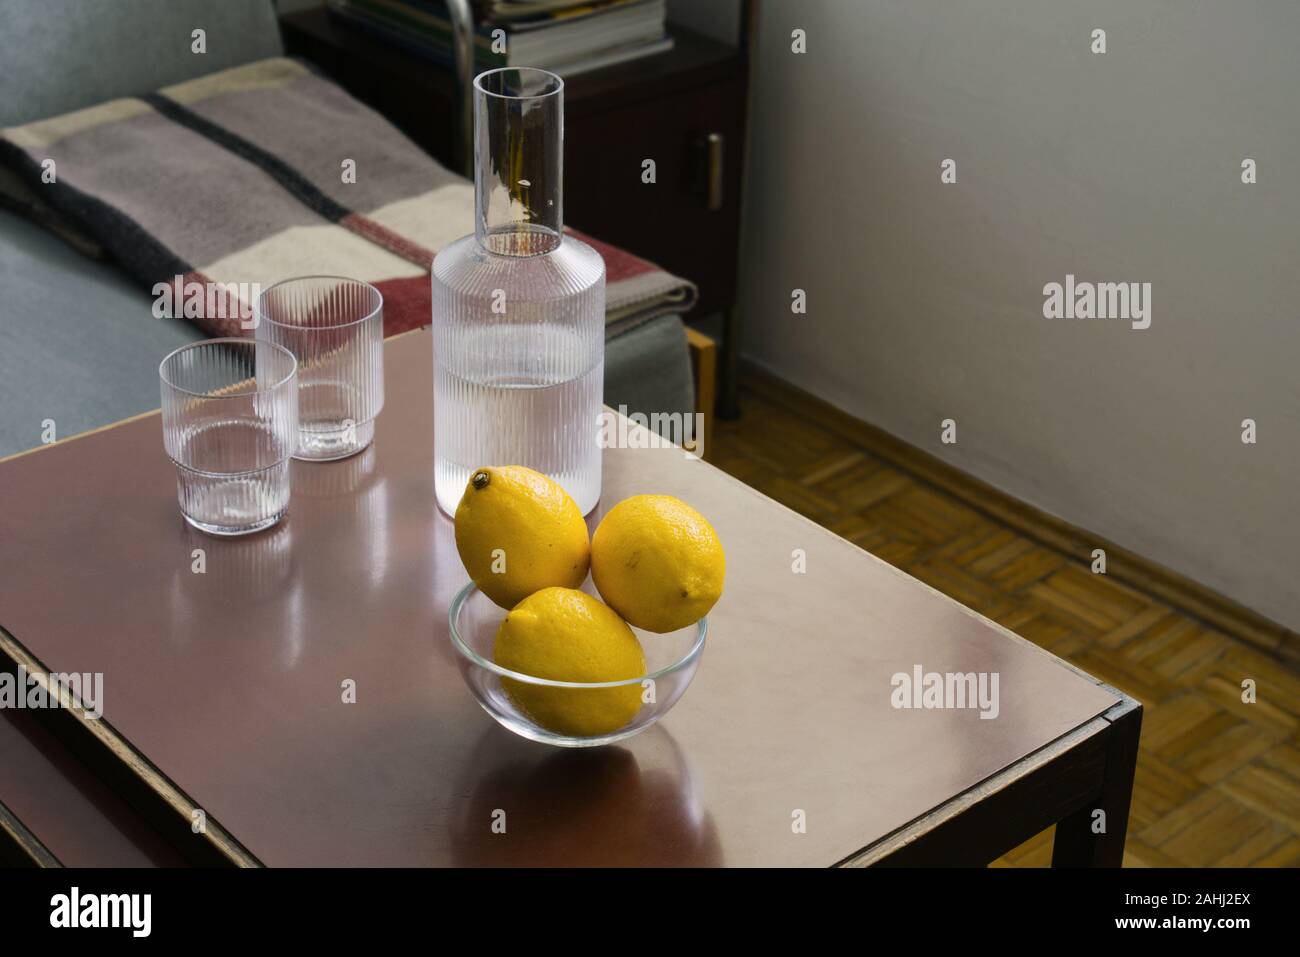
x=335 y=328
x=230 y=425
x=518 y=309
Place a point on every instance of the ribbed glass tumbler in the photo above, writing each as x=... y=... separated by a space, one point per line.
x=335 y=328
x=230 y=425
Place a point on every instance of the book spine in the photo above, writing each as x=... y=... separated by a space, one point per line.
x=408 y=30
x=425 y=48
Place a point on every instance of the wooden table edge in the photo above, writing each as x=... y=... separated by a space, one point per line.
x=1066 y=782
x=19 y=847
x=128 y=771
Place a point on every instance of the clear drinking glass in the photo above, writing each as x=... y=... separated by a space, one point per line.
x=335 y=328
x=230 y=425
x=518 y=307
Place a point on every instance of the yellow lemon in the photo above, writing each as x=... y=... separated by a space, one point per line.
x=567 y=635
x=658 y=562
x=518 y=531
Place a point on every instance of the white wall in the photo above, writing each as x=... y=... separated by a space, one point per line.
x=925 y=300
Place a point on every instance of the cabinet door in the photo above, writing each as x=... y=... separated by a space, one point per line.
x=687 y=221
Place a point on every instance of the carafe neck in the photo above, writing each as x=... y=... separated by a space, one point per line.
x=518 y=161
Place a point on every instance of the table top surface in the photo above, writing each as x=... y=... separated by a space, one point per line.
x=230 y=681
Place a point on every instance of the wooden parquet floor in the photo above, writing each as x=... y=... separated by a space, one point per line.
x=1218 y=781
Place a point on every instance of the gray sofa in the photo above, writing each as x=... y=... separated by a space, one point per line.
x=78 y=341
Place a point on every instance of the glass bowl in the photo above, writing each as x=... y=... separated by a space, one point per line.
x=671 y=661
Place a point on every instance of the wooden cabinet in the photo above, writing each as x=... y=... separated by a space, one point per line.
x=687 y=219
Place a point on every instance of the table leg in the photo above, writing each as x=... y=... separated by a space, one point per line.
x=729 y=367
x=1078 y=842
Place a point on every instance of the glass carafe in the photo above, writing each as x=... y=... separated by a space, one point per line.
x=518 y=307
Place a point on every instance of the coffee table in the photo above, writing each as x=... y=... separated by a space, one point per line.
x=223 y=690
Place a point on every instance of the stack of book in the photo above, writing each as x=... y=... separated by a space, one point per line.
x=564 y=36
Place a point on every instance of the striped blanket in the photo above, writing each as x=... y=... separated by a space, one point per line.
x=248 y=176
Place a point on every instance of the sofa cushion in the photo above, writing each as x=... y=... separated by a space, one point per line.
x=62 y=55
x=648 y=368
x=79 y=344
